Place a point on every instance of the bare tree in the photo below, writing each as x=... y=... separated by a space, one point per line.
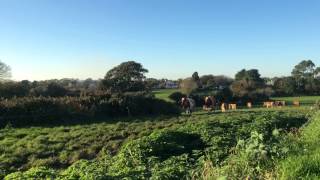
x=5 y=71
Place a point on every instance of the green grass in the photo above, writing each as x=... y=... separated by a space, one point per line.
x=304 y=100
x=164 y=93
x=60 y=147
x=304 y=161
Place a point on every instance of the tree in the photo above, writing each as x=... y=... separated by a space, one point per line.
x=126 y=77
x=196 y=78
x=304 y=69
x=252 y=77
x=5 y=71
x=152 y=83
x=215 y=82
x=305 y=74
x=188 y=86
x=285 y=86
x=56 y=90
x=9 y=89
x=249 y=86
x=241 y=75
x=249 y=75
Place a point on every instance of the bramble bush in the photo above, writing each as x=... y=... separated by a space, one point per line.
x=48 y=110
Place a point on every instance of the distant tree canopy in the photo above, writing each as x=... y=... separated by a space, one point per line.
x=214 y=82
x=284 y=86
x=305 y=79
x=5 y=71
x=249 y=85
x=249 y=75
x=126 y=77
x=305 y=69
x=56 y=90
x=130 y=77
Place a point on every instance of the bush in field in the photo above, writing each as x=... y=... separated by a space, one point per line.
x=34 y=173
x=43 y=110
x=56 y=90
x=163 y=154
x=176 y=97
x=85 y=169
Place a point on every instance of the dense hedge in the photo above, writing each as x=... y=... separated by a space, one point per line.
x=44 y=110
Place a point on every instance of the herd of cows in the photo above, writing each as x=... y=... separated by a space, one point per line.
x=210 y=104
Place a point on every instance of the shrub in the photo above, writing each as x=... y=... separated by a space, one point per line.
x=176 y=96
x=33 y=173
x=84 y=169
x=48 y=110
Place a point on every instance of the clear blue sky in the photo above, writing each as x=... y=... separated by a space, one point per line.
x=44 y=39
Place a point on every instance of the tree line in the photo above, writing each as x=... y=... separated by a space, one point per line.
x=130 y=77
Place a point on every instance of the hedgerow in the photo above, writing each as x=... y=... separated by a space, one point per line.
x=29 y=111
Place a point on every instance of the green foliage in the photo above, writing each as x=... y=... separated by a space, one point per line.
x=146 y=157
x=5 y=71
x=284 y=86
x=164 y=94
x=126 y=77
x=249 y=86
x=304 y=159
x=175 y=148
x=176 y=97
x=211 y=82
x=304 y=69
x=251 y=75
x=42 y=110
x=84 y=170
x=34 y=173
x=56 y=90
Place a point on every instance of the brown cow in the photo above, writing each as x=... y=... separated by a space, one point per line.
x=249 y=105
x=223 y=107
x=279 y=103
x=188 y=105
x=233 y=106
x=268 y=104
x=209 y=103
x=296 y=103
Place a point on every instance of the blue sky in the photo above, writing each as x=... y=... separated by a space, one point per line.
x=45 y=39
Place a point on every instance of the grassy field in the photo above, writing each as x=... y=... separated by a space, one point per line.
x=164 y=93
x=215 y=134
x=233 y=145
x=304 y=160
x=304 y=100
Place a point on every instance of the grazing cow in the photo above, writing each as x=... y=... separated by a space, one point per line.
x=279 y=103
x=223 y=107
x=188 y=105
x=233 y=106
x=209 y=103
x=296 y=103
x=268 y=104
x=249 y=105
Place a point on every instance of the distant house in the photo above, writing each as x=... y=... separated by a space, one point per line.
x=171 y=85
